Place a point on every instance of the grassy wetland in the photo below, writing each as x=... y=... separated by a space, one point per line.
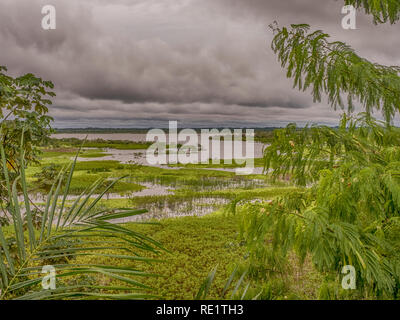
x=206 y=217
x=193 y=210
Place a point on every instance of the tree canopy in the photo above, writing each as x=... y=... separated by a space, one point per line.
x=24 y=105
x=382 y=10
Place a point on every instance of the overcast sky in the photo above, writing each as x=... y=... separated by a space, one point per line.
x=140 y=63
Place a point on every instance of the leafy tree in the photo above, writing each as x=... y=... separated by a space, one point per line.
x=382 y=10
x=349 y=214
x=24 y=105
x=23 y=115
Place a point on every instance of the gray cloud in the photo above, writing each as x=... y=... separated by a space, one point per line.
x=146 y=61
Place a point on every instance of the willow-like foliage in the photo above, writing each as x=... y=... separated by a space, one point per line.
x=335 y=70
x=349 y=212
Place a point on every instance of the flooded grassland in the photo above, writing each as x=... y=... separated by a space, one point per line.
x=167 y=190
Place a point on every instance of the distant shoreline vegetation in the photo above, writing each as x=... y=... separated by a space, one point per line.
x=139 y=130
x=100 y=144
x=262 y=135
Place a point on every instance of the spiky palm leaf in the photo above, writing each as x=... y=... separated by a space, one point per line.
x=87 y=233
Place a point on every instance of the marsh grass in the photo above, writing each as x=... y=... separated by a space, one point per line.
x=198 y=244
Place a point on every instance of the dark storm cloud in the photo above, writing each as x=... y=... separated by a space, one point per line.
x=137 y=61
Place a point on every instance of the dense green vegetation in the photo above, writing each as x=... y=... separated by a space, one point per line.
x=350 y=214
x=329 y=197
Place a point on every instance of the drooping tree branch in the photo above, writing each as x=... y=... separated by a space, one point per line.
x=334 y=69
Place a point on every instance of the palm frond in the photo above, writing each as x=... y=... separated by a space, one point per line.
x=67 y=236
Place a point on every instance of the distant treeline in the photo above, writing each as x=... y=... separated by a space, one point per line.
x=264 y=135
x=136 y=130
x=99 y=143
x=100 y=130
